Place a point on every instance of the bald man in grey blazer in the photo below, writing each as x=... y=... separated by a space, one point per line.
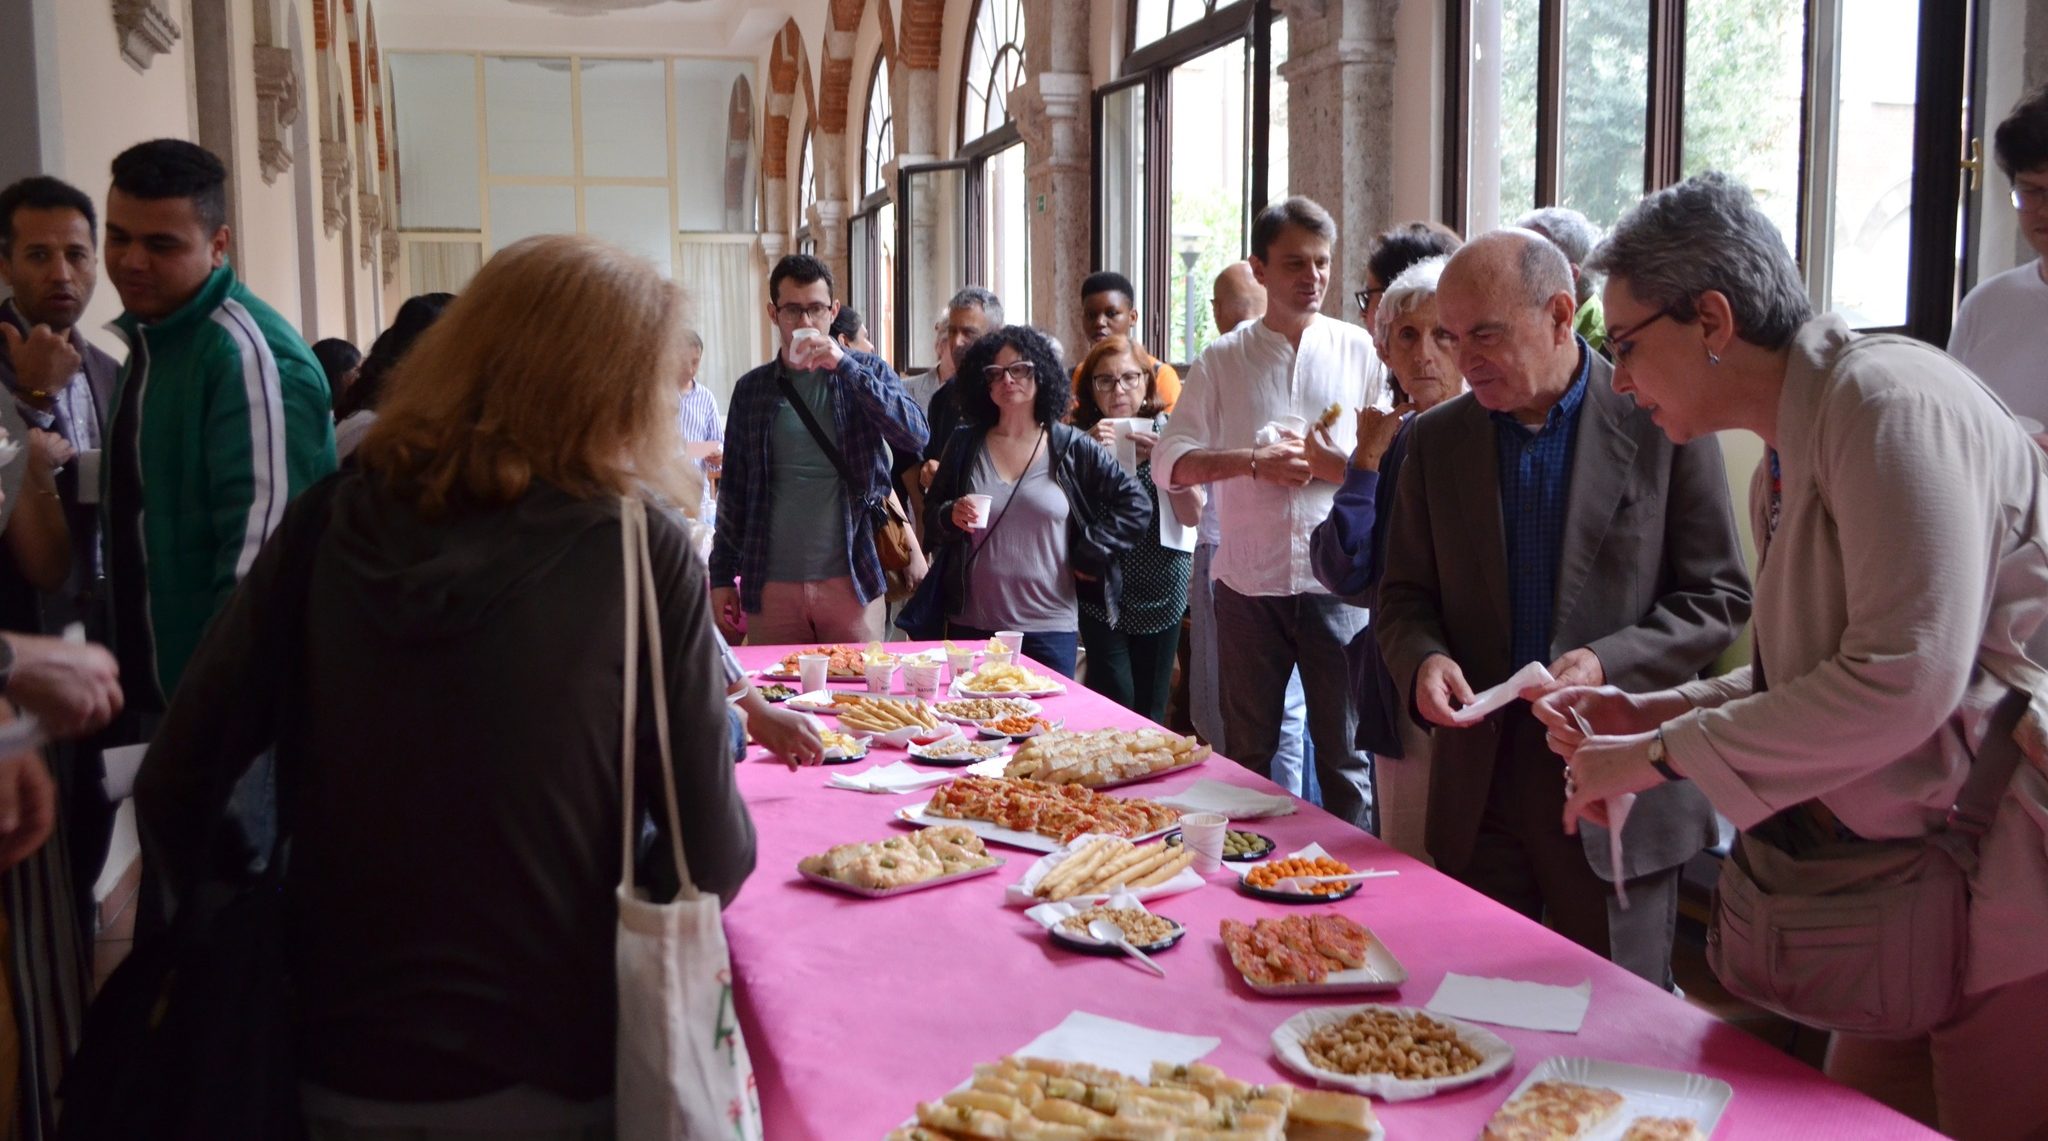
x=1544 y=517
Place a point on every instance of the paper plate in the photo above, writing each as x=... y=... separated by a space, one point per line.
x=1495 y=1055
x=1645 y=1092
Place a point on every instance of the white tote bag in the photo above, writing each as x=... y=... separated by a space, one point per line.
x=683 y=1069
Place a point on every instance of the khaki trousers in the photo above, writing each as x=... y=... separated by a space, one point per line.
x=824 y=611
x=1977 y=1077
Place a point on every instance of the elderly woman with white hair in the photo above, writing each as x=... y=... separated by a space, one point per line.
x=1348 y=549
x=1891 y=879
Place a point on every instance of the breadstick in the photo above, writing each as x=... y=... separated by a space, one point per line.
x=1172 y=868
x=1123 y=863
x=1136 y=873
x=1073 y=867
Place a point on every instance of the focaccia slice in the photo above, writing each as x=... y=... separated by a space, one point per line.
x=1553 y=1111
x=1663 y=1129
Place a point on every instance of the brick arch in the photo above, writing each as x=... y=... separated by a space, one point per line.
x=921 y=35
x=787 y=64
x=835 y=78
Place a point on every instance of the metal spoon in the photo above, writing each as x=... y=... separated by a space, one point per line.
x=1110 y=933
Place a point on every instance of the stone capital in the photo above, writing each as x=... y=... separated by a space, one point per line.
x=779 y=103
x=773 y=246
x=147 y=29
x=336 y=169
x=277 y=108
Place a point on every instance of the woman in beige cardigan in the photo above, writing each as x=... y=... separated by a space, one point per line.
x=1901 y=593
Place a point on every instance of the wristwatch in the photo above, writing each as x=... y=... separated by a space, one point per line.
x=1658 y=758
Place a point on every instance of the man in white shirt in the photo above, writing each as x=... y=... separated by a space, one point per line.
x=1242 y=428
x=2001 y=330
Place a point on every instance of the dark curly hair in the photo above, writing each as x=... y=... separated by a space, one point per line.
x=1054 y=391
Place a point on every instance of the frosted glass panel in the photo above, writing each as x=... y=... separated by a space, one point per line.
x=434 y=109
x=523 y=211
x=441 y=267
x=527 y=103
x=714 y=145
x=625 y=119
x=635 y=217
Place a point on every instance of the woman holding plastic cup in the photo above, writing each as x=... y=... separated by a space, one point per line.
x=1130 y=659
x=1060 y=510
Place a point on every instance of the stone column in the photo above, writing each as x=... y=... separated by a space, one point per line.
x=916 y=103
x=1053 y=114
x=830 y=217
x=1340 y=139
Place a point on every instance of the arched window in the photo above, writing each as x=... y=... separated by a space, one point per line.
x=878 y=147
x=995 y=66
x=1156 y=19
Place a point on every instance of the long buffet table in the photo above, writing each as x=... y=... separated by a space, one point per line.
x=857 y=1009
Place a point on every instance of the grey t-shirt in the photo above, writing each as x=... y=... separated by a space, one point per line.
x=1020 y=578
x=806 y=511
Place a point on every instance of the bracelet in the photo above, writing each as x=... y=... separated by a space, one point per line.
x=1255 y=468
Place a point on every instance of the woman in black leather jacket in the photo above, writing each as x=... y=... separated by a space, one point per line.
x=1058 y=509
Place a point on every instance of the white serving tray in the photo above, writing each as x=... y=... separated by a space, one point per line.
x=1645 y=1092
x=1029 y=841
x=1495 y=1055
x=885 y=893
x=1381 y=972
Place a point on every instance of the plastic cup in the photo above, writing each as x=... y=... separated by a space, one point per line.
x=1202 y=832
x=1013 y=640
x=922 y=679
x=878 y=675
x=1292 y=425
x=810 y=671
x=961 y=662
x=980 y=505
x=997 y=657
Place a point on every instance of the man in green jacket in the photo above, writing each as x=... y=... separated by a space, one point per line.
x=220 y=414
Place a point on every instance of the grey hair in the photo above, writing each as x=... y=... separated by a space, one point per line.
x=1298 y=211
x=696 y=342
x=1542 y=268
x=1706 y=233
x=1417 y=284
x=976 y=297
x=1570 y=231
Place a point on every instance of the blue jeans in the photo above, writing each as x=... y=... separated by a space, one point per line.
x=1055 y=650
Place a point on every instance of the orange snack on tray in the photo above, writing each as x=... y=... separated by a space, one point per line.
x=1267 y=874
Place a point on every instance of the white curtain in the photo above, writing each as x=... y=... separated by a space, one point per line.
x=727 y=300
x=441 y=267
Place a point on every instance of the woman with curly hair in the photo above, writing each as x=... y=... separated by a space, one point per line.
x=1058 y=510
x=1130 y=659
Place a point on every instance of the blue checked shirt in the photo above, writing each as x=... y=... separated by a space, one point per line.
x=872 y=413
x=1535 y=488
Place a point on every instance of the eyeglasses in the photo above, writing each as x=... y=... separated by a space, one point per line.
x=1015 y=370
x=2029 y=197
x=791 y=314
x=1110 y=382
x=1621 y=344
x=1364 y=297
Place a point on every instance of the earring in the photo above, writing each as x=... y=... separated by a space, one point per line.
x=1712 y=359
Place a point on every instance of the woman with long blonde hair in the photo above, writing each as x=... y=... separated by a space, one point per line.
x=434 y=645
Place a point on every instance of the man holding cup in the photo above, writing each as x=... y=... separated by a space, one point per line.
x=807 y=442
x=1242 y=428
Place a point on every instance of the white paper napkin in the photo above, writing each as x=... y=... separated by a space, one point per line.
x=1505 y=1002
x=891 y=778
x=1231 y=800
x=1499 y=696
x=1617 y=815
x=1113 y=1045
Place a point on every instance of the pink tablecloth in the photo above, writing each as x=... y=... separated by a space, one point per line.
x=857 y=1009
